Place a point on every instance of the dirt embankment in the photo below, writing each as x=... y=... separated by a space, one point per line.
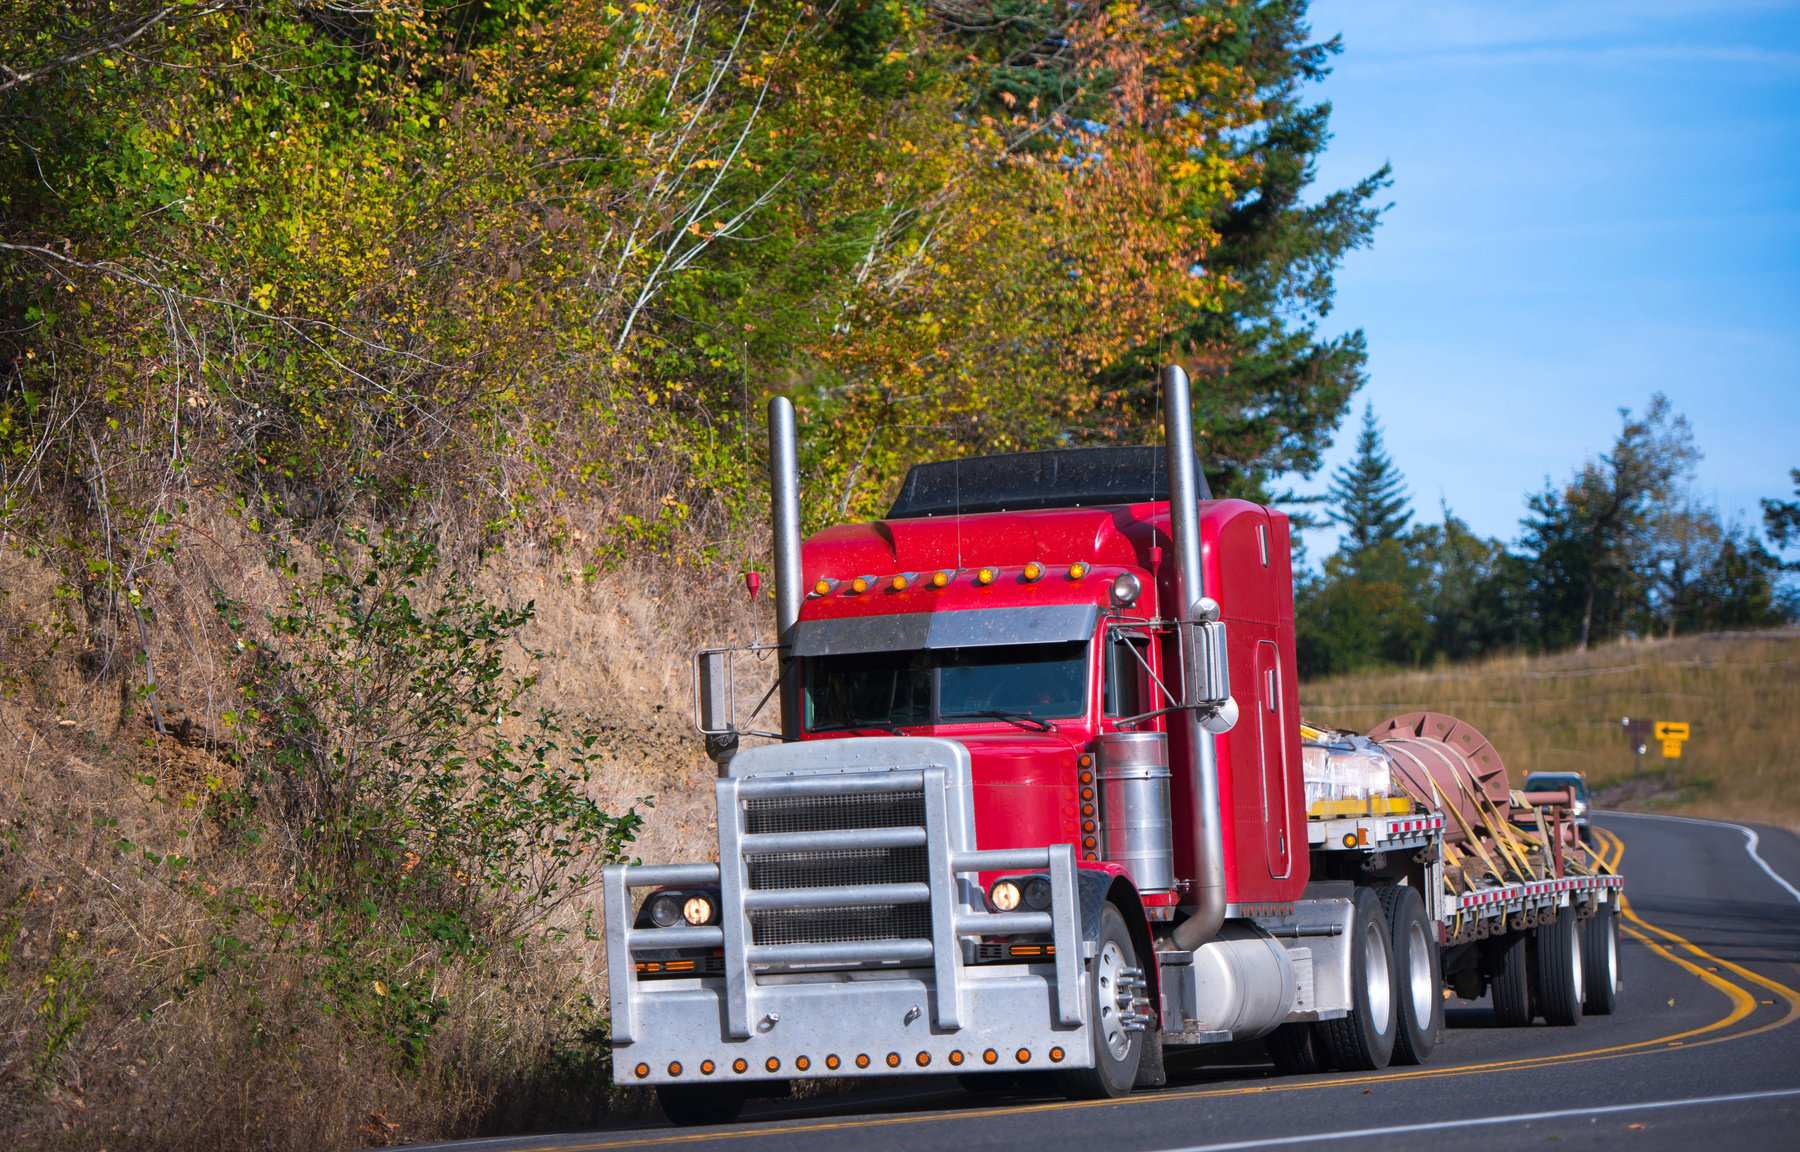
x=142 y=1005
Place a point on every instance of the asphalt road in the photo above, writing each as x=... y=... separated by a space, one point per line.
x=1699 y=1053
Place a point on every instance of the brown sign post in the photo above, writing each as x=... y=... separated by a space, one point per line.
x=1639 y=731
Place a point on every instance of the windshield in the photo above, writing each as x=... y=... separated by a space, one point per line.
x=925 y=686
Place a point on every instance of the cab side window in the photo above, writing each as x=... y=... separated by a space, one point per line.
x=1125 y=689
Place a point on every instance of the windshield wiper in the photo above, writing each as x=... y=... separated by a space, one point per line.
x=857 y=725
x=1022 y=719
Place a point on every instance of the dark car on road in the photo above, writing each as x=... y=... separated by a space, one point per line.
x=1576 y=783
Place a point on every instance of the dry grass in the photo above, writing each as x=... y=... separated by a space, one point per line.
x=1739 y=691
x=166 y=1048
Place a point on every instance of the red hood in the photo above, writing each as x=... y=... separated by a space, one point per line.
x=1024 y=788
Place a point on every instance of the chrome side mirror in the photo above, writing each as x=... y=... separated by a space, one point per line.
x=714 y=693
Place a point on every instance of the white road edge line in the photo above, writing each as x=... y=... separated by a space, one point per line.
x=1482 y=1121
x=1751 y=840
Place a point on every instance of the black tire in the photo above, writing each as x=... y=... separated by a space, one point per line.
x=1418 y=976
x=1152 y=1073
x=1117 y=1049
x=1364 y=1040
x=1511 y=981
x=1558 y=970
x=1297 y=1050
x=1600 y=962
x=690 y=1105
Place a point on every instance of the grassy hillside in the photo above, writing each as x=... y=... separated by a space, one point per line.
x=1739 y=691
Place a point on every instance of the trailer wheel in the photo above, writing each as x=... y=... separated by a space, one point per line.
x=1364 y=1040
x=1418 y=981
x=1559 y=970
x=1113 y=977
x=1296 y=1050
x=688 y=1105
x=1511 y=981
x=1600 y=961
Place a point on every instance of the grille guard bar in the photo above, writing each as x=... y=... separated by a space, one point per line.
x=952 y=917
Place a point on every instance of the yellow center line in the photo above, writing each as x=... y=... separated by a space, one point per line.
x=1742 y=1005
x=1787 y=994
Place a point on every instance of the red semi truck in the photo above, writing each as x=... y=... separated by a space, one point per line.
x=1040 y=800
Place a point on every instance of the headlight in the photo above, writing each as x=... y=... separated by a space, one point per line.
x=697 y=911
x=1004 y=896
x=1037 y=893
x=665 y=910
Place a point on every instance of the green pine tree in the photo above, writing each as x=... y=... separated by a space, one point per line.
x=1368 y=494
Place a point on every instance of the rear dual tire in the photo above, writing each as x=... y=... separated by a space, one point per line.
x=1600 y=961
x=1418 y=976
x=1560 y=971
x=1363 y=1040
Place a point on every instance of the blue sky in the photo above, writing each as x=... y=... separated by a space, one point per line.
x=1593 y=201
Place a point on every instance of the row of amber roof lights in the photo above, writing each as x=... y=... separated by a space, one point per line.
x=1032 y=572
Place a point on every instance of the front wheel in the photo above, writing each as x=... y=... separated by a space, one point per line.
x=1116 y=1016
x=689 y=1105
x=1600 y=962
x=1364 y=1040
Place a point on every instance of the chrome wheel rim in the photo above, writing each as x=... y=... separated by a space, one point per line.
x=1377 y=980
x=1612 y=956
x=1108 y=967
x=1418 y=973
x=1575 y=967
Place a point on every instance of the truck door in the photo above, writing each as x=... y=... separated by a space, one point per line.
x=1271 y=720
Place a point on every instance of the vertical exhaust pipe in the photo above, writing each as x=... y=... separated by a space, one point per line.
x=784 y=517
x=1203 y=761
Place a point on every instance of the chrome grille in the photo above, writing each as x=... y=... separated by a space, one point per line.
x=822 y=813
x=802 y=869
x=842 y=925
x=848 y=866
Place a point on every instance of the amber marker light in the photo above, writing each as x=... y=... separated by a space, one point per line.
x=990 y=1057
x=1023 y=1055
x=986 y=576
x=893 y=1059
x=862 y=1060
x=802 y=1063
x=1033 y=572
x=707 y=1067
x=740 y=1065
x=674 y=1067
x=940 y=579
x=956 y=1058
x=823 y=587
x=1056 y=1055
x=860 y=584
x=832 y=1062
x=1077 y=571
x=642 y=1071
x=899 y=583
x=772 y=1064
x=923 y=1059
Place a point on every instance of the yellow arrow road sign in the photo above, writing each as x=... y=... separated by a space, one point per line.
x=1671 y=730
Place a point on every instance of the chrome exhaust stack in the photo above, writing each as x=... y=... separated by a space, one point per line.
x=1204 y=688
x=784 y=517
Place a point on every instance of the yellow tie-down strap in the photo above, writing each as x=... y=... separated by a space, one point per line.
x=1369 y=806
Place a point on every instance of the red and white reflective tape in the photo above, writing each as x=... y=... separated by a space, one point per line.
x=1420 y=824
